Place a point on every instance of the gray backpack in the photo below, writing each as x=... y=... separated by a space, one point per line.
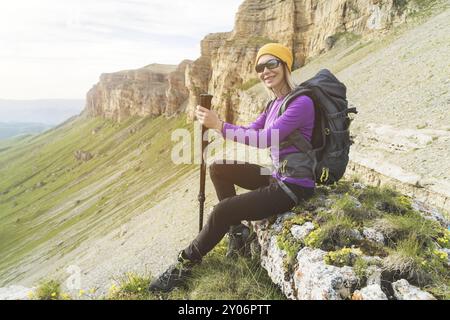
x=330 y=144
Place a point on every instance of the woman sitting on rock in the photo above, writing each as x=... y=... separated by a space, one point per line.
x=270 y=195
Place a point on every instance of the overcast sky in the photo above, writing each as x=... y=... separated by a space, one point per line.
x=58 y=49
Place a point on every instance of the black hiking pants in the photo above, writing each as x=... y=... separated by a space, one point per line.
x=266 y=199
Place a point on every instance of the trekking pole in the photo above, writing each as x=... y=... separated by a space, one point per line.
x=205 y=102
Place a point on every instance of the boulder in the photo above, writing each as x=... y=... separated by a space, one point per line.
x=273 y=262
x=83 y=155
x=371 y=292
x=300 y=232
x=373 y=235
x=315 y=280
x=404 y=291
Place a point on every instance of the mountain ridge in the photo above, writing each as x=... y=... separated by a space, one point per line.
x=47 y=111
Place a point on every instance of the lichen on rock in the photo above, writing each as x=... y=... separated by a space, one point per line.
x=322 y=251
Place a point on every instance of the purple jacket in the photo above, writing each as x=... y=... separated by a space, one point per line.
x=298 y=116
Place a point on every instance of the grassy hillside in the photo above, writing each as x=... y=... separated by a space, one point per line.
x=217 y=276
x=402 y=244
x=51 y=201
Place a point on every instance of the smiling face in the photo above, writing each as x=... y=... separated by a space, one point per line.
x=272 y=78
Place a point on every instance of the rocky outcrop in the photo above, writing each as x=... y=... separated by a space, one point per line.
x=373 y=173
x=81 y=155
x=404 y=291
x=225 y=66
x=177 y=91
x=308 y=27
x=303 y=255
x=372 y=292
x=373 y=235
x=315 y=280
x=312 y=278
x=150 y=91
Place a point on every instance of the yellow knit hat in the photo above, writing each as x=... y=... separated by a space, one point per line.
x=277 y=50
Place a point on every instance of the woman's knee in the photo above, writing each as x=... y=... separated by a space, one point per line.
x=221 y=214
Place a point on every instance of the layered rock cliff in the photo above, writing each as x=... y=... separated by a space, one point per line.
x=152 y=90
x=308 y=27
x=225 y=66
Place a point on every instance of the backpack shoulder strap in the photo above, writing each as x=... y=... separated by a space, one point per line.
x=297 y=92
x=268 y=106
x=296 y=138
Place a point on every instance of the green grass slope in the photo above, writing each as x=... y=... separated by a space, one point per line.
x=49 y=199
x=50 y=202
x=217 y=277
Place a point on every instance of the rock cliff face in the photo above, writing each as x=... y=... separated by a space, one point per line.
x=177 y=92
x=153 y=90
x=225 y=66
x=309 y=27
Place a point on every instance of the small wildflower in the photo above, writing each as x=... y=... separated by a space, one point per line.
x=441 y=255
x=139 y=289
x=53 y=294
x=344 y=256
x=81 y=292
x=312 y=239
x=113 y=289
x=444 y=240
x=65 y=296
x=30 y=295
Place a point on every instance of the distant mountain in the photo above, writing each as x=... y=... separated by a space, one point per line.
x=11 y=129
x=45 y=111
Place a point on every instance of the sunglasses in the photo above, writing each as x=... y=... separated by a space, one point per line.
x=271 y=64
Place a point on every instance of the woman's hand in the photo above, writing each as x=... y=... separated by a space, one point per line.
x=208 y=118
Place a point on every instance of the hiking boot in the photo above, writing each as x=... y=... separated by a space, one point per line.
x=175 y=275
x=237 y=240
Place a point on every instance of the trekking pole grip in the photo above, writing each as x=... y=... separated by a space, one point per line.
x=205 y=102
